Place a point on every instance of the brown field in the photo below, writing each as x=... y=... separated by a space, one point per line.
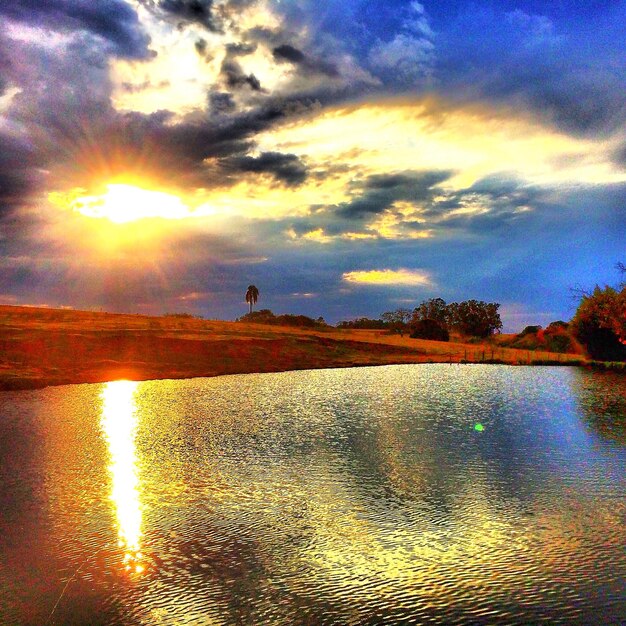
x=40 y=347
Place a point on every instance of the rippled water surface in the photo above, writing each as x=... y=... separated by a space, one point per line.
x=405 y=494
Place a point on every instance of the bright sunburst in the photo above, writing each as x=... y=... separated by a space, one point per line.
x=123 y=203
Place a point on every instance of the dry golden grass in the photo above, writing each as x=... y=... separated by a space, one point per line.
x=50 y=346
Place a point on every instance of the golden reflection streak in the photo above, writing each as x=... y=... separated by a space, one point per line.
x=119 y=423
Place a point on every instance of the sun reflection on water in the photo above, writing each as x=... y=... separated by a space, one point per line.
x=119 y=423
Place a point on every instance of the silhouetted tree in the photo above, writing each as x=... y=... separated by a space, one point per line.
x=265 y=316
x=600 y=320
x=429 y=329
x=433 y=309
x=362 y=323
x=600 y=324
x=397 y=320
x=475 y=318
x=252 y=295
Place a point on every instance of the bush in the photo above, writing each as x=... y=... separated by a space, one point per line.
x=362 y=323
x=429 y=329
x=265 y=316
x=181 y=316
x=600 y=324
x=556 y=326
x=295 y=320
x=559 y=343
x=530 y=330
x=602 y=344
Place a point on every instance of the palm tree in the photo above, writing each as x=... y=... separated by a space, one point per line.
x=252 y=295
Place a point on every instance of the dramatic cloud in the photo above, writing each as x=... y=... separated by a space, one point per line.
x=284 y=167
x=200 y=11
x=164 y=153
x=236 y=78
x=410 y=56
x=534 y=62
x=381 y=191
x=112 y=20
x=308 y=65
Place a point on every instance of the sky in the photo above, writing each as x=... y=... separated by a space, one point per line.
x=347 y=157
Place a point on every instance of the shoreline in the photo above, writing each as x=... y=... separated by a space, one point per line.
x=27 y=384
x=51 y=347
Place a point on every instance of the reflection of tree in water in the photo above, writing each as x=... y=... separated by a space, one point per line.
x=602 y=400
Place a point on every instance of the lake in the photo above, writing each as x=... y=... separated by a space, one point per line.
x=439 y=494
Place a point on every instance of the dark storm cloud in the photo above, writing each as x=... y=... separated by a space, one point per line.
x=113 y=20
x=308 y=65
x=5 y=65
x=235 y=77
x=231 y=70
x=202 y=48
x=215 y=17
x=489 y=208
x=240 y=49
x=578 y=102
x=265 y=35
x=200 y=11
x=288 y=53
x=19 y=172
x=380 y=191
x=58 y=109
x=189 y=152
x=221 y=102
x=77 y=130
x=496 y=202
x=231 y=134
x=77 y=134
x=286 y=168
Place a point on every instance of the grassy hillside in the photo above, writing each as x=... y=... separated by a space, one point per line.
x=40 y=347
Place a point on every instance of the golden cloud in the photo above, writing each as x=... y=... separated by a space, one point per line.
x=389 y=277
x=431 y=134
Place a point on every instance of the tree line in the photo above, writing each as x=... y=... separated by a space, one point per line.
x=599 y=323
x=265 y=316
x=435 y=319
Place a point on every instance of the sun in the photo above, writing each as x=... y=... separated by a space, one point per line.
x=123 y=203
